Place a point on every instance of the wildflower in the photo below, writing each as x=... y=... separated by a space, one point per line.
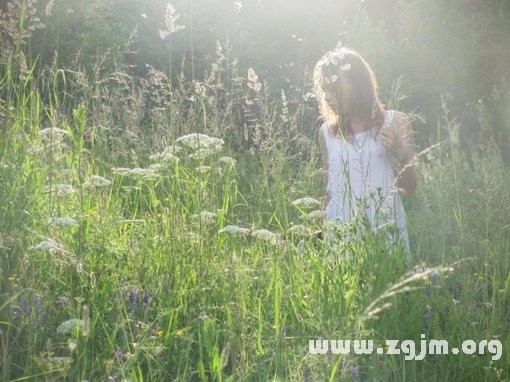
x=206 y=217
x=59 y=362
x=134 y=297
x=202 y=169
x=143 y=173
x=120 y=170
x=191 y=236
x=299 y=230
x=35 y=149
x=85 y=320
x=97 y=181
x=234 y=230
x=196 y=141
x=47 y=246
x=119 y=355
x=160 y=332
x=62 y=221
x=166 y=155
x=71 y=344
x=313 y=215
x=156 y=349
x=227 y=160
x=203 y=153
x=264 y=234
x=306 y=202
x=60 y=189
x=355 y=372
x=67 y=326
x=52 y=134
x=155 y=167
x=180 y=332
x=146 y=300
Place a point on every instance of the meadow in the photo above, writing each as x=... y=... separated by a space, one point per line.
x=154 y=230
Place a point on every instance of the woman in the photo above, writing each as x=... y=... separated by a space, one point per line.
x=368 y=152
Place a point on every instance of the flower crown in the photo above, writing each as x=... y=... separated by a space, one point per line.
x=335 y=57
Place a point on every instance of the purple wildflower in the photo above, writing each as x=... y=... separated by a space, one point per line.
x=147 y=298
x=37 y=301
x=24 y=304
x=134 y=296
x=119 y=354
x=355 y=372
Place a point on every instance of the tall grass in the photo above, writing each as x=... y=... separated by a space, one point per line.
x=121 y=260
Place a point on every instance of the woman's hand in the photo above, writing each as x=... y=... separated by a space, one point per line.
x=398 y=139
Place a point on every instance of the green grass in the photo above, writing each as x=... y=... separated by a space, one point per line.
x=169 y=297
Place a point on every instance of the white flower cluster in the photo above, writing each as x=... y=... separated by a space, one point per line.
x=52 y=134
x=167 y=155
x=60 y=189
x=335 y=57
x=300 y=230
x=46 y=245
x=306 y=202
x=197 y=141
x=67 y=326
x=138 y=173
x=234 y=230
x=202 y=168
x=62 y=221
x=97 y=181
x=313 y=215
x=228 y=161
x=206 y=217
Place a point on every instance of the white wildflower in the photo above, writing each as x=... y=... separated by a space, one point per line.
x=120 y=170
x=227 y=160
x=206 y=216
x=315 y=214
x=167 y=155
x=204 y=152
x=306 y=202
x=35 y=149
x=67 y=326
x=71 y=344
x=52 y=134
x=155 y=166
x=143 y=173
x=202 y=168
x=47 y=245
x=234 y=230
x=264 y=234
x=59 y=362
x=191 y=236
x=97 y=181
x=62 y=221
x=300 y=230
x=60 y=189
x=197 y=141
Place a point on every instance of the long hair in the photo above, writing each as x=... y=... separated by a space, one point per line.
x=347 y=64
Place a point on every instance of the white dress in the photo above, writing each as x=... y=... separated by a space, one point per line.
x=361 y=178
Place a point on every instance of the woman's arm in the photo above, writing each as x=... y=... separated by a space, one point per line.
x=399 y=139
x=324 y=151
x=407 y=178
